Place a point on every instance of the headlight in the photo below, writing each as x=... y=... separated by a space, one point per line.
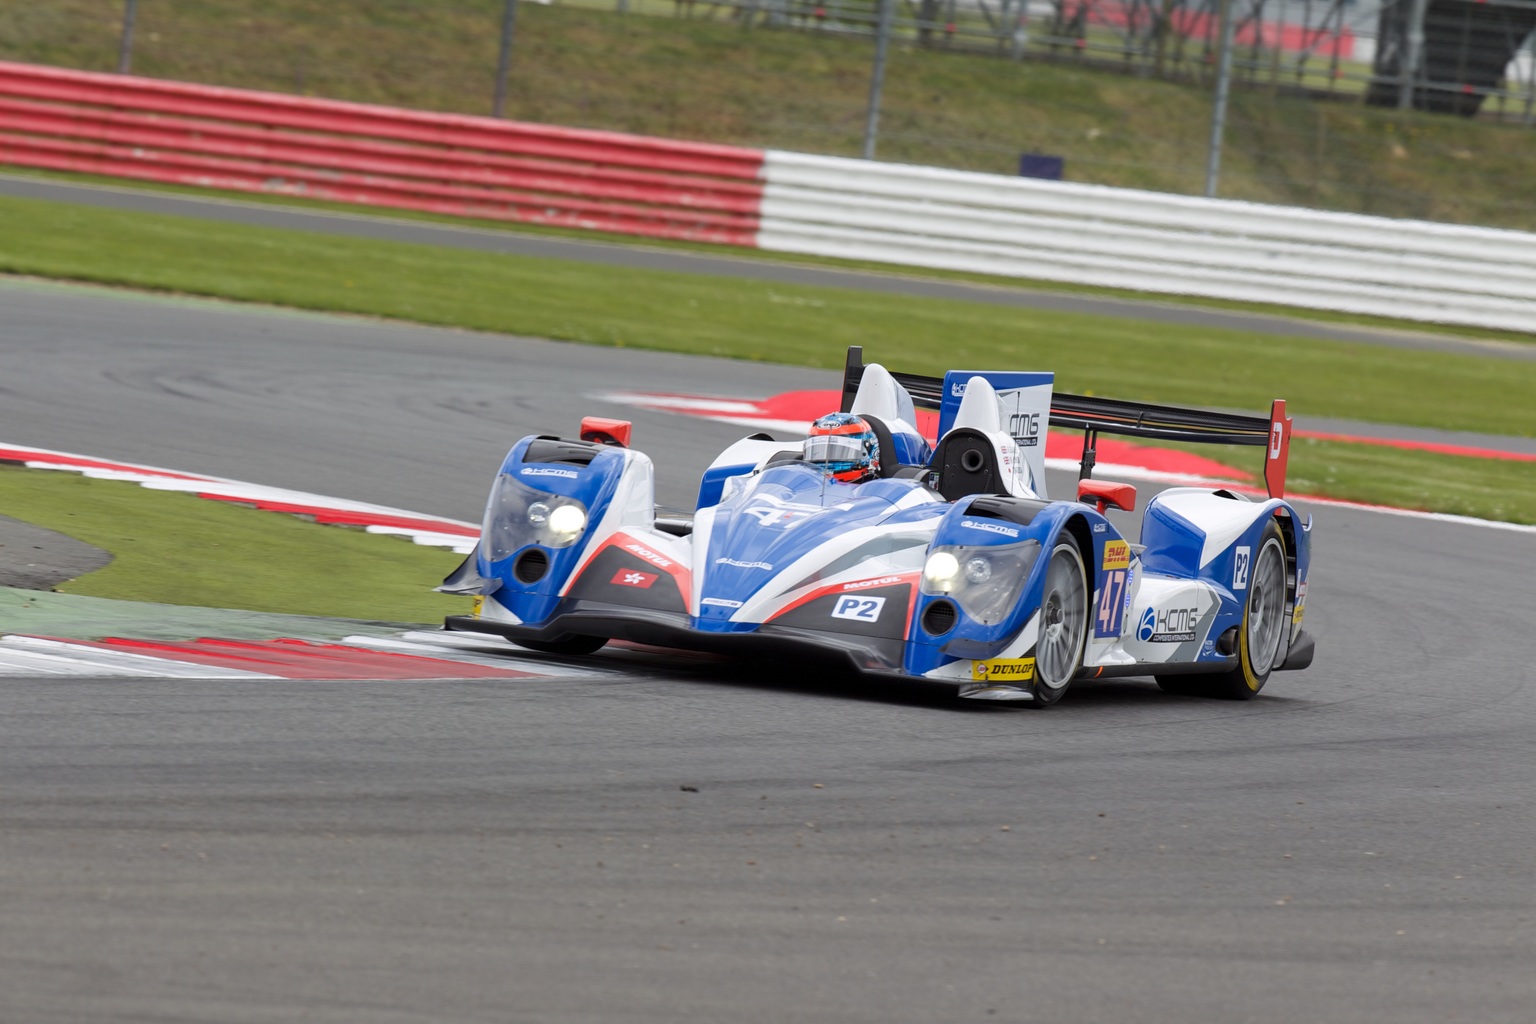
x=940 y=572
x=985 y=580
x=517 y=515
x=567 y=523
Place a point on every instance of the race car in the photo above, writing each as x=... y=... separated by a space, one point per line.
x=944 y=562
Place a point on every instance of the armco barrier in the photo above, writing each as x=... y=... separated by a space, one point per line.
x=356 y=153
x=1148 y=241
x=790 y=202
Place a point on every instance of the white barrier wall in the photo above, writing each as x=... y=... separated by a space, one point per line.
x=1148 y=241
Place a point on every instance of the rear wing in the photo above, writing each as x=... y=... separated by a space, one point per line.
x=1094 y=416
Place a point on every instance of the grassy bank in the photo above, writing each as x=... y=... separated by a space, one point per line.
x=811 y=326
x=762 y=321
x=709 y=79
x=174 y=548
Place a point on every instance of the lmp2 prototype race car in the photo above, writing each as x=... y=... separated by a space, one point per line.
x=943 y=562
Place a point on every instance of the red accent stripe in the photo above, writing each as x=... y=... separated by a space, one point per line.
x=25 y=455
x=348 y=517
x=304 y=659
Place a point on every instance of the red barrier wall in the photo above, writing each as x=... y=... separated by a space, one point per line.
x=250 y=141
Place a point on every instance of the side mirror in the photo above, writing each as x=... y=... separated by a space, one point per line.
x=605 y=431
x=1104 y=494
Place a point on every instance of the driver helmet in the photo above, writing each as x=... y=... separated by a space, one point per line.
x=843 y=445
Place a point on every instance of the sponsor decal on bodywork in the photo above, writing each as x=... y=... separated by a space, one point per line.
x=1004 y=670
x=1025 y=428
x=744 y=565
x=858 y=608
x=1117 y=554
x=721 y=602
x=1171 y=625
x=567 y=474
x=636 y=548
x=1006 y=531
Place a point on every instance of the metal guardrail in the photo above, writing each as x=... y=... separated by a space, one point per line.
x=1148 y=241
x=243 y=140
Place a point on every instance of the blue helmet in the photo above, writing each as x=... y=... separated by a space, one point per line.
x=843 y=445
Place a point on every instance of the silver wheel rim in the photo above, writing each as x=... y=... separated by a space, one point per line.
x=1063 y=614
x=1266 y=608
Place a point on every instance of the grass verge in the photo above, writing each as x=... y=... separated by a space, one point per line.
x=753 y=320
x=174 y=548
x=797 y=259
x=1502 y=490
x=811 y=326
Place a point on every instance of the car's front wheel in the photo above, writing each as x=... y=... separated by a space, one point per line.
x=1063 y=623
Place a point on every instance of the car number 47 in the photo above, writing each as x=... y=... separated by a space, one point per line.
x=861 y=609
x=1106 y=623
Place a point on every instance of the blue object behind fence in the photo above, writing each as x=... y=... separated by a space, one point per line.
x=1038 y=165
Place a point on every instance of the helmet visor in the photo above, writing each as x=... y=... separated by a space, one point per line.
x=835 y=448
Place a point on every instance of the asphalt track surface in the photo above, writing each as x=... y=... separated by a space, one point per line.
x=705 y=841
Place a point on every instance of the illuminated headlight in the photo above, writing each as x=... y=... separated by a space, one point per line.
x=566 y=523
x=985 y=580
x=518 y=515
x=941 y=571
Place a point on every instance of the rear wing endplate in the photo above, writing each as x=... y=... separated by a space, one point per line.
x=1094 y=416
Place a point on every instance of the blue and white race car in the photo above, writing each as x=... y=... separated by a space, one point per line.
x=945 y=563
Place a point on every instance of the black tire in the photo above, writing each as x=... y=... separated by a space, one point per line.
x=568 y=645
x=1261 y=638
x=1063 y=623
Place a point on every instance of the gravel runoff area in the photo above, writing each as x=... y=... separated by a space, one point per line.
x=33 y=558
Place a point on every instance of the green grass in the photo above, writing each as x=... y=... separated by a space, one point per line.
x=174 y=548
x=1498 y=489
x=763 y=255
x=1377 y=475
x=742 y=319
x=709 y=79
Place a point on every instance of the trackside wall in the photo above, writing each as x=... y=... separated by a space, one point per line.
x=1154 y=242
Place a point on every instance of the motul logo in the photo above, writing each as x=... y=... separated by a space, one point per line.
x=649 y=555
x=861 y=584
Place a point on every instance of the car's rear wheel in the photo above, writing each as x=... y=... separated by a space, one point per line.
x=570 y=644
x=1063 y=623
x=1260 y=637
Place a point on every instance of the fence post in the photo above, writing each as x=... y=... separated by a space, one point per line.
x=125 y=44
x=1020 y=30
x=504 y=62
x=1413 y=53
x=877 y=78
x=1219 y=114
